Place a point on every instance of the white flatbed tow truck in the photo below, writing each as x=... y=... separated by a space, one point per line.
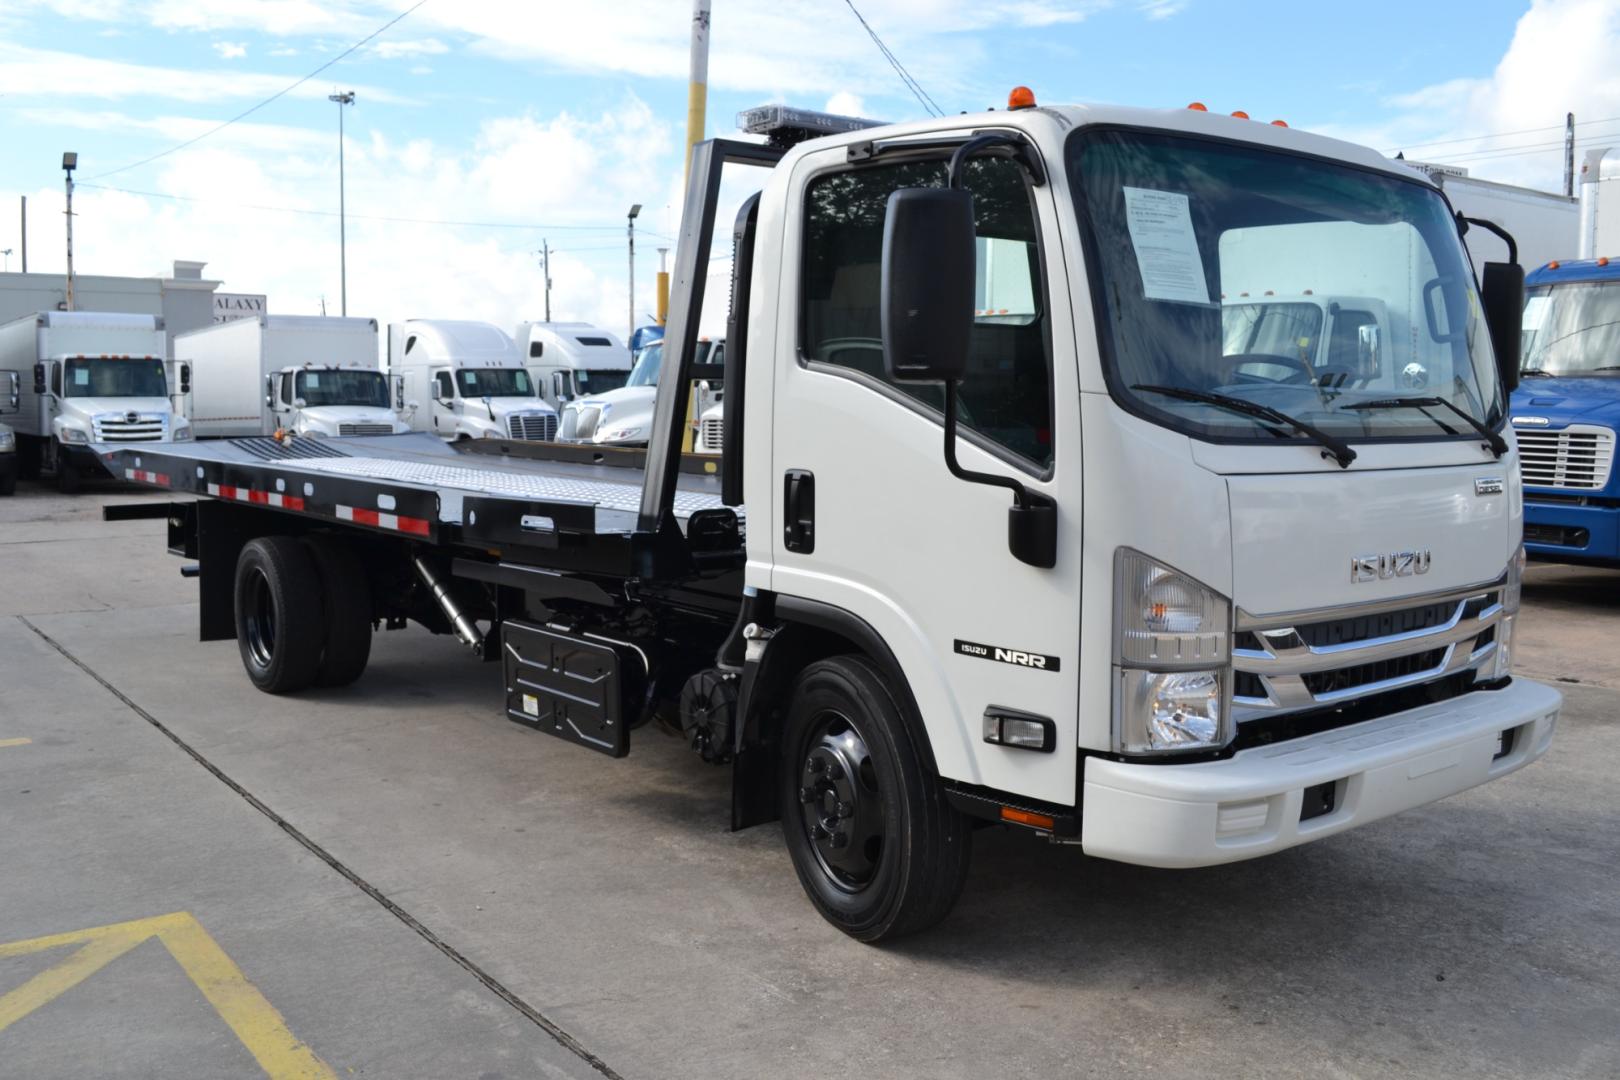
x=1232 y=607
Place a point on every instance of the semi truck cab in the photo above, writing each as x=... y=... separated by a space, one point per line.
x=469 y=379
x=1566 y=412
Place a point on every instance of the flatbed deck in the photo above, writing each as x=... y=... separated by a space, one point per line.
x=417 y=478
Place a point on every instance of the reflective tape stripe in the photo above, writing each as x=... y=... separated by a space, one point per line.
x=258 y=498
x=392 y=522
x=144 y=476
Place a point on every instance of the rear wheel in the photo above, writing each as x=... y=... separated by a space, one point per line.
x=876 y=845
x=346 y=604
x=278 y=614
x=8 y=481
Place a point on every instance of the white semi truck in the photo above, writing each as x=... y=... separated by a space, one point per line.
x=88 y=377
x=568 y=360
x=1056 y=569
x=468 y=380
x=307 y=375
x=623 y=417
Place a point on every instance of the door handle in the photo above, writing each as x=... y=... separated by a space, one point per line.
x=799 y=506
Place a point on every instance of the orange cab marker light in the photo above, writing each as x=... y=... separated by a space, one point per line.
x=1553 y=265
x=1603 y=260
x=1279 y=123
x=1241 y=115
x=1024 y=817
x=1198 y=106
x=1021 y=97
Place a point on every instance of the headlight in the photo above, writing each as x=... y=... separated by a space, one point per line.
x=1172 y=654
x=8 y=441
x=74 y=436
x=313 y=433
x=1502 y=662
x=618 y=434
x=182 y=434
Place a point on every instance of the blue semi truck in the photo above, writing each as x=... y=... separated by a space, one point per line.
x=1566 y=412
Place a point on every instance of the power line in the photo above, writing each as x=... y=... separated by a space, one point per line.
x=278 y=94
x=1500 y=135
x=309 y=212
x=905 y=76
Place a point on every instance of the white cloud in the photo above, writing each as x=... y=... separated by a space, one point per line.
x=845 y=103
x=393 y=50
x=1162 y=9
x=230 y=50
x=245 y=134
x=1561 y=59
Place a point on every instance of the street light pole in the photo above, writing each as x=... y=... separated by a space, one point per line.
x=70 y=161
x=635 y=212
x=545 y=269
x=7 y=253
x=345 y=98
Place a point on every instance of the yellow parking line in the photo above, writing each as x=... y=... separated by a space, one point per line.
x=14 y=742
x=254 y=1020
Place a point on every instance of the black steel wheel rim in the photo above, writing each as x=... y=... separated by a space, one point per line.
x=259 y=619
x=840 y=806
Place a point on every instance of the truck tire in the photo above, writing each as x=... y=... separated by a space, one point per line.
x=278 y=614
x=876 y=845
x=346 y=600
x=68 y=478
x=28 y=457
x=8 y=483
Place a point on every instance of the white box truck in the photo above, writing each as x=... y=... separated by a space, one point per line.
x=1600 y=205
x=1546 y=225
x=1066 y=572
x=470 y=379
x=310 y=375
x=88 y=377
x=568 y=360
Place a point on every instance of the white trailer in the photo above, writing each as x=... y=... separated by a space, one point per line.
x=88 y=377
x=471 y=379
x=1544 y=224
x=568 y=360
x=307 y=374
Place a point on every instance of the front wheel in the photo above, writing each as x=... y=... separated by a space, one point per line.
x=876 y=845
x=68 y=478
x=279 y=617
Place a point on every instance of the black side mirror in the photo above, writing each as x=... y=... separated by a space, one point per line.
x=1502 y=296
x=185 y=378
x=39 y=378
x=12 y=391
x=928 y=280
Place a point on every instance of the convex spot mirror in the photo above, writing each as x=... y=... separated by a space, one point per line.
x=928 y=282
x=1501 y=290
x=1369 y=350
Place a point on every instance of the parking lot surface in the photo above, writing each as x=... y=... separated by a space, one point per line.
x=199 y=880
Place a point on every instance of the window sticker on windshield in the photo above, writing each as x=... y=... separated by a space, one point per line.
x=81 y=376
x=312 y=379
x=1161 y=229
x=1535 y=311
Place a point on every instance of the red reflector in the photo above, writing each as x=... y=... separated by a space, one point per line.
x=1024 y=817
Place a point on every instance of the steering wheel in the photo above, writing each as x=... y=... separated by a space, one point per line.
x=1336 y=376
x=1302 y=373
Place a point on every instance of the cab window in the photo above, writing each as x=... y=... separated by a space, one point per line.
x=1007 y=394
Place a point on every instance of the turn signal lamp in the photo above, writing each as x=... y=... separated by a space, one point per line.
x=1198 y=106
x=1021 y=97
x=1024 y=817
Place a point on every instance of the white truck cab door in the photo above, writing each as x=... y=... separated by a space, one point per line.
x=442 y=409
x=890 y=535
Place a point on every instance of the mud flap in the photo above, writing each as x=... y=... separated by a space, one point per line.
x=579 y=687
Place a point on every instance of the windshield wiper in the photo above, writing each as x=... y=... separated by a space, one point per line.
x=1535 y=373
x=1493 y=442
x=1334 y=447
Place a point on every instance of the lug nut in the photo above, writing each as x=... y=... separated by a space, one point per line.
x=817 y=833
x=840 y=839
x=844 y=810
x=817 y=765
x=806 y=795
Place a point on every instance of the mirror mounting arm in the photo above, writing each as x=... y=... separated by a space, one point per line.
x=1491 y=226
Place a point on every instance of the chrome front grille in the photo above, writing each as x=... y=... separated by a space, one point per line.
x=1311 y=662
x=1578 y=457
x=365 y=429
x=714 y=435
x=120 y=428
x=533 y=427
x=579 y=422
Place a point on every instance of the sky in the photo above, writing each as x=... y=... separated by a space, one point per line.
x=483 y=128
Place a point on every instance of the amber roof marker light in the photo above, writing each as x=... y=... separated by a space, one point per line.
x=1198 y=106
x=1021 y=97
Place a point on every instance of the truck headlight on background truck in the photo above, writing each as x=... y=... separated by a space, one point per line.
x=1172 y=655
x=8 y=442
x=1502 y=661
x=182 y=434
x=618 y=434
x=74 y=436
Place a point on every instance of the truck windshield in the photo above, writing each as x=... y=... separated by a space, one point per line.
x=1572 y=329
x=85 y=376
x=494 y=382
x=367 y=388
x=650 y=359
x=1195 y=248
x=600 y=380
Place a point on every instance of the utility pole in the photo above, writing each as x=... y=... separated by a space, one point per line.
x=25 y=234
x=1569 y=153
x=697 y=87
x=545 y=269
x=70 y=161
x=345 y=98
x=635 y=211
x=7 y=254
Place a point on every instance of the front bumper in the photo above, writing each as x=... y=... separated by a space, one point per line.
x=1250 y=804
x=1571 y=533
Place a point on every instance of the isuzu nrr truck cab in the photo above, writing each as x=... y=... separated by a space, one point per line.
x=1567 y=412
x=1072 y=566
x=468 y=380
x=310 y=375
x=88 y=377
